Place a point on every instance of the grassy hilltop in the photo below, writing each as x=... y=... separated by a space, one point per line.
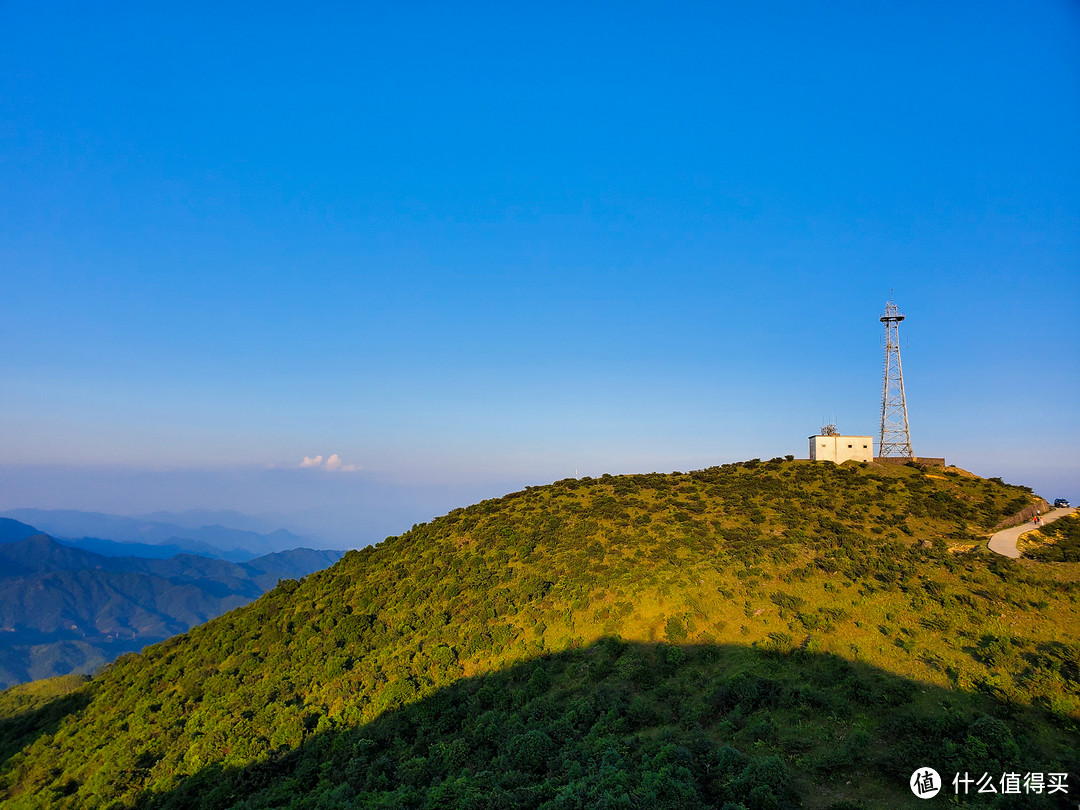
x=758 y=635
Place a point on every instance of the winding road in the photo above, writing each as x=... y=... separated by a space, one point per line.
x=1004 y=542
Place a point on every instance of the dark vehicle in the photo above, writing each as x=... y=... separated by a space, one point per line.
x=1061 y=503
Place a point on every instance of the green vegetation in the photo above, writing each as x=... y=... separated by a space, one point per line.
x=1058 y=541
x=66 y=610
x=27 y=709
x=771 y=634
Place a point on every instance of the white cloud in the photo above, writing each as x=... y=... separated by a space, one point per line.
x=332 y=464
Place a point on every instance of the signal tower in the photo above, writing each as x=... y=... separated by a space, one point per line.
x=895 y=439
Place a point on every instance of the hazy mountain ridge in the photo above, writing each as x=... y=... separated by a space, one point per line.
x=64 y=609
x=230 y=518
x=85 y=529
x=644 y=641
x=12 y=530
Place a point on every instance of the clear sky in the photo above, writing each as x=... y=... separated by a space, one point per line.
x=466 y=247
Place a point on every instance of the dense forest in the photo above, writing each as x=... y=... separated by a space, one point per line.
x=759 y=635
x=65 y=610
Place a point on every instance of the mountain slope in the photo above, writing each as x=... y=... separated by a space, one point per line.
x=12 y=530
x=776 y=635
x=156 y=551
x=66 y=610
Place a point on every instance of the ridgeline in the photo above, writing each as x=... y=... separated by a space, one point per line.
x=757 y=635
x=65 y=610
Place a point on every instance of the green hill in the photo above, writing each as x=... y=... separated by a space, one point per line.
x=763 y=635
x=65 y=610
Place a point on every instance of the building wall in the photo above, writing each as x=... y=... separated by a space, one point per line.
x=841 y=448
x=922 y=461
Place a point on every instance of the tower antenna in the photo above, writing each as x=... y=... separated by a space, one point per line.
x=895 y=438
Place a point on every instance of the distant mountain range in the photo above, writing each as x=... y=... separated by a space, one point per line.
x=67 y=609
x=161 y=534
x=778 y=634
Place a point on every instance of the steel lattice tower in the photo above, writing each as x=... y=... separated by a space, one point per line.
x=895 y=439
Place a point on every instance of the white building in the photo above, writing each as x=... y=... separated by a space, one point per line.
x=831 y=446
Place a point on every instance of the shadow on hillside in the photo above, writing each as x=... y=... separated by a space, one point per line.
x=641 y=725
x=20 y=730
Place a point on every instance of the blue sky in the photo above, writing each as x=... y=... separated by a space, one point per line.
x=472 y=247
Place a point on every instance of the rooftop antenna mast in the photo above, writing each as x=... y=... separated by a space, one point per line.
x=895 y=439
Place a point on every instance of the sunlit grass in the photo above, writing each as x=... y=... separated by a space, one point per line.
x=768 y=569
